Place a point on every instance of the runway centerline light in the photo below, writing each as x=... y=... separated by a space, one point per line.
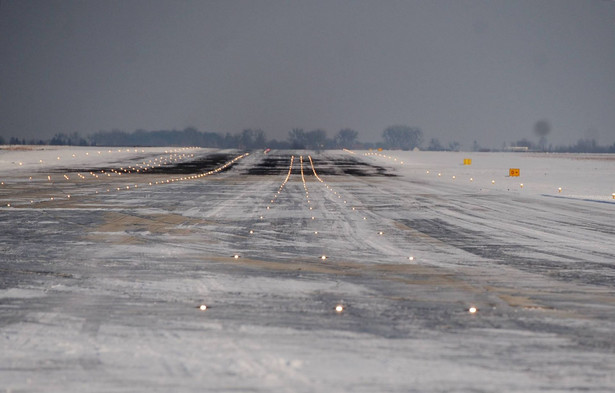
x=472 y=310
x=339 y=308
x=236 y=256
x=202 y=307
x=323 y=257
x=411 y=258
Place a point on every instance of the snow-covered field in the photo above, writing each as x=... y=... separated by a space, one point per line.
x=106 y=256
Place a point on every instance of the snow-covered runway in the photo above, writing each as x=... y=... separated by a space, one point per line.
x=107 y=255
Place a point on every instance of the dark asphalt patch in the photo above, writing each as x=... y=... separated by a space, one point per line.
x=198 y=165
x=279 y=164
x=271 y=165
x=350 y=166
x=186 y=167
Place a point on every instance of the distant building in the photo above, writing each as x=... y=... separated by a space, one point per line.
x=517 y=148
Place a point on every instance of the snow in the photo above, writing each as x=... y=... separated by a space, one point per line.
x=101 y=291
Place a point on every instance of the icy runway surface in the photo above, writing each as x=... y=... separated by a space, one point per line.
x=107 y=255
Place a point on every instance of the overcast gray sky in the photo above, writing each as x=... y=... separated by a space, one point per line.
x=458 y=69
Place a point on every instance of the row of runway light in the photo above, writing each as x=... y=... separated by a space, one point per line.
x=144 y=184
x=273 y=198
x=307 y=192
x=103 y=152
x=339 y=196
x=329 y=188
x=439 y=174
x=281 y=188
x=394 y=159
x=142 y=167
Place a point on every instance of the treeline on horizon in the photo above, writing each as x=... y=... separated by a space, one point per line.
x=400 y=137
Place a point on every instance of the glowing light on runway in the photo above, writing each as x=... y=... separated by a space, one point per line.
x=203 y=307
x=251 y=232
x=411 y=258
x=559 y=189
x=323 y=257
x=339 y=308
x=236 y=256
x=314 y=170
x=381 y=233
x=472 y=310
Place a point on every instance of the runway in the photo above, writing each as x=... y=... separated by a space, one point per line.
x=448 y=277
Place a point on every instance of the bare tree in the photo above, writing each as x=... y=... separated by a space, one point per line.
x=297 y=138
x=542 y=128
x=346 y=137
x=402 y=137
x=316 y=139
